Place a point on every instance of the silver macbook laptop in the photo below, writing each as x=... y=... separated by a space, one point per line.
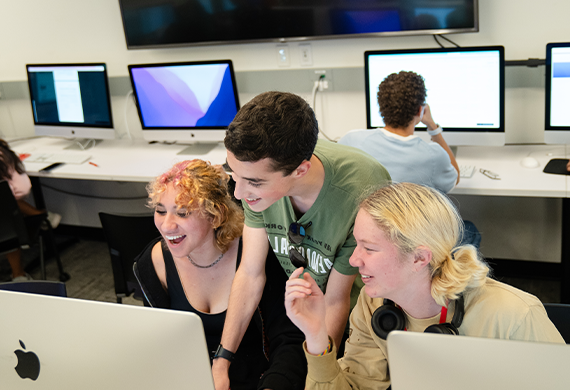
x=64 y=343
x=434 y=361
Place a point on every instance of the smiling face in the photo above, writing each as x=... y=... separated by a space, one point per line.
x=386 y=273
x=185 y=232
x=257 y=183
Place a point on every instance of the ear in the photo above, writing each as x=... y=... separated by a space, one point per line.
x=302 y=169
x=422 y=257
x=420 y=109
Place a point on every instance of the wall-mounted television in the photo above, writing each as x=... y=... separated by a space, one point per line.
x=465 y=89
x=157 y=23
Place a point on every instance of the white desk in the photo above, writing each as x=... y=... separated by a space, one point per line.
x=515 y=179
x=116 y=160
x=138 y=161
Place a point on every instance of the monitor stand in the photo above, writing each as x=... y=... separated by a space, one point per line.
x=198 y=149
x=83 y=144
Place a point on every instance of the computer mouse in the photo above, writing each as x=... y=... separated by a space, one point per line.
x=529 y=162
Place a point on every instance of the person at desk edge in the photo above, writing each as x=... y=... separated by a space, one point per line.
x=416 y=279
x=191 y=268
x=303 y=194
x=13 y=171
x=408 y=158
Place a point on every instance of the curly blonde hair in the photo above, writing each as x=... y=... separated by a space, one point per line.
x=411 y=216
x=204 y=187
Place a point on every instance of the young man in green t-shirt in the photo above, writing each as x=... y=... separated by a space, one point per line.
x=304 y=196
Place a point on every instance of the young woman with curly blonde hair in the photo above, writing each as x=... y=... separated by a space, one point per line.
x=191 y=267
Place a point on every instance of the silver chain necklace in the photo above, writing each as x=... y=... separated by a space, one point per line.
x=205 y=266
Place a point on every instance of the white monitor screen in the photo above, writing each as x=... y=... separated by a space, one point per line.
x=557 y=86
x=71 y=100
x=465 y=86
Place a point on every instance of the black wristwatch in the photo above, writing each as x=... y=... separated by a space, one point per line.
x=221 y=352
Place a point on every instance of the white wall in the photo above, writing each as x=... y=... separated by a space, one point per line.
x=44 y=31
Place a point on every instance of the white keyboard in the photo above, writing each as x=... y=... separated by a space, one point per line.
x=68 y=158
x=466 y=171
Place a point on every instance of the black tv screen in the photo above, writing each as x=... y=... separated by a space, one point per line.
x=155 y=23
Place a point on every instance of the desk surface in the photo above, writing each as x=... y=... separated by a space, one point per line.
x=516 y=180
x=139 y=161
x=116 y=160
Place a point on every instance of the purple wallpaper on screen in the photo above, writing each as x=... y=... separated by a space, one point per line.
x=166 y=100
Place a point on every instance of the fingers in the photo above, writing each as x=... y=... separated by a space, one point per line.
x=296 y=273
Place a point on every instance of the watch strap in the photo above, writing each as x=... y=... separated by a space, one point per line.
x=221 y=352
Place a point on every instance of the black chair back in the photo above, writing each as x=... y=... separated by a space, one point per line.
x=559 y=314
x=127 y=236
x=44 y=287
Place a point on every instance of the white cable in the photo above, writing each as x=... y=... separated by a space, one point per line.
x=125 y=114
x=314 y=98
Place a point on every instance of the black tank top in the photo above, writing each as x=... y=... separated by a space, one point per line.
x=213 y=323
x=250 y=360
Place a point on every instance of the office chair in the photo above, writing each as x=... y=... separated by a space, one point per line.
x=17 y=230
x=44 y=287
x=559 y=314
x=127 y=236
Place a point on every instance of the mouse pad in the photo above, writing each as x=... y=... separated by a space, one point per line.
x=557 y=166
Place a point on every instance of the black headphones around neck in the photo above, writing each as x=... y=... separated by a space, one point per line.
x=389 y=317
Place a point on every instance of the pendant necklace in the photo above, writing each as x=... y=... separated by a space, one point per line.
x=205 y=266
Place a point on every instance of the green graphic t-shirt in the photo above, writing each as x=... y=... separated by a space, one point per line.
x=350 y=175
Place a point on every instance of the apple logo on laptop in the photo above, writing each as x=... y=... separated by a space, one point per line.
x=28 y=364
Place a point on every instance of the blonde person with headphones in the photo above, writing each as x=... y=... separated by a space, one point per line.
x=416 y=279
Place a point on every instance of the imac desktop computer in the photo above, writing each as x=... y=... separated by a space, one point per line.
x=188 y=103
x=71 y=100
x=557 y=118
x=465 y=90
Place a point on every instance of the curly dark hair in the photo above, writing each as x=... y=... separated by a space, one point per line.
x=9 y=161
x=399 y=96
x=277 y=125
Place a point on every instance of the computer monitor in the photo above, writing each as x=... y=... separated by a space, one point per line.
x=71 y=100
x=189 y=102
x=465 y=90
x=557 y=119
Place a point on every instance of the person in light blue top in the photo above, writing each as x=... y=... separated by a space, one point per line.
x=407 y=157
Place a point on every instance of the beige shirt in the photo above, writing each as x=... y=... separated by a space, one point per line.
x=495 y=310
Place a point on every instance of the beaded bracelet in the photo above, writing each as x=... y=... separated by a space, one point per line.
x=329 y=348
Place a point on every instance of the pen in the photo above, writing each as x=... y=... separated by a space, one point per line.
x=92 y=163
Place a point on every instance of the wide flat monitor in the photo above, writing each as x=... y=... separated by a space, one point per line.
x=190 y=102
x=465 y=90
x=557 y=118
x=71 y=100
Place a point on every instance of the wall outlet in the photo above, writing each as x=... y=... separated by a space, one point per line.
x=283 y=55
x=306 y=54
